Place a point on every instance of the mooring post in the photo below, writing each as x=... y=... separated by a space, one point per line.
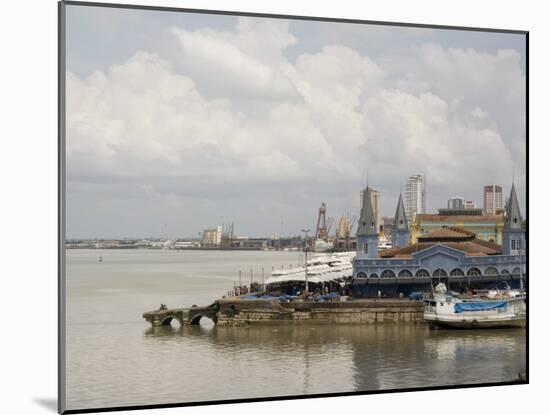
x=263 y=279
x=250 y=279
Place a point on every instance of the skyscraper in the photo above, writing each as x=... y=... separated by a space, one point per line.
x=415 y=196
x=456 y=202
x=492 y=199
x=375 y=201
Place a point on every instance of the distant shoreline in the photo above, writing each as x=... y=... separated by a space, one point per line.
x=179 y=249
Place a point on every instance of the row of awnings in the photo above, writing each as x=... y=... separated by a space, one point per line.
x=298 y=277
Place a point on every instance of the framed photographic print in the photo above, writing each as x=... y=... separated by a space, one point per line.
x=258 y=207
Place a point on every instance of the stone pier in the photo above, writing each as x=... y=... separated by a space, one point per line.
x=232 y=312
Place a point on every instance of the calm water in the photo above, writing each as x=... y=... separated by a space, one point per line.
x=115 y=358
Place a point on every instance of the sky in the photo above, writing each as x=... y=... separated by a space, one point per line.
x=178 y=122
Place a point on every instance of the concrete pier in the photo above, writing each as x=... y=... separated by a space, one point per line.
x=232 y=312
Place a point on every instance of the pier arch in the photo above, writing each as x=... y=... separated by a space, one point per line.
x=197 y=313
x=195 y=321
x=167 y=321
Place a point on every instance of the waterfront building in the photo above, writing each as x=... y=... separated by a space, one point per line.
x=456 y=202
x=492 y=199
x=469 y=204
x=107 y=244
x=485 y=227
x=415 y=196
x=186 y=244
x=244 y=242
x=212 y=237
x=446 y=253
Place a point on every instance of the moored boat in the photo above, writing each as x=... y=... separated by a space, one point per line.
x=506 y=309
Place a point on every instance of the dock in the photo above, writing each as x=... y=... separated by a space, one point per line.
x=238 y=312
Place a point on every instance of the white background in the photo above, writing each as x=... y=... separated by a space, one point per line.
x=28 y=163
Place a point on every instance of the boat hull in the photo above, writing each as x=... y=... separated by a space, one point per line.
x=448 y=311
x=477 y=324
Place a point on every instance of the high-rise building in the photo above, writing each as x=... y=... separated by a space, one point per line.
x=374 y=196
x=212 y=237
x=375 y=201
x=456 y=202
x=415 y=196
x=492 y=199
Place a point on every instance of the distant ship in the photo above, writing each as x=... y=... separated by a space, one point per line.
x=320 y=245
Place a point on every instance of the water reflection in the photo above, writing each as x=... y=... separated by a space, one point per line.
x=363 y=358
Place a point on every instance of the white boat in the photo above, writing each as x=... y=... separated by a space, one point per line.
x=507 y=308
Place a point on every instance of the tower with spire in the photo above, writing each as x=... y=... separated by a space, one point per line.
x=513 y=234
x=400 y=228
x=367 y=234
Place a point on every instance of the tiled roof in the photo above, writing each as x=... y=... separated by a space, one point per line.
x=447 y=233
x=472 y=247
x=434 y=217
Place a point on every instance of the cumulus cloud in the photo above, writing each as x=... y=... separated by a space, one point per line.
x=166 y=129
x=244 y=62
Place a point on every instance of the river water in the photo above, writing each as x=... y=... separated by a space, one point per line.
x=114 y=358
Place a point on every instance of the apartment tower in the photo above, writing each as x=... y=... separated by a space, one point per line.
x=415 y=196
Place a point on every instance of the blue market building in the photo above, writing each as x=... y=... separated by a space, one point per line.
x=448 y=254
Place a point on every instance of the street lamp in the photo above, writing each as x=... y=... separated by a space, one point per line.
x=305 y=231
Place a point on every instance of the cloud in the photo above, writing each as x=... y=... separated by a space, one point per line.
x=490 y=83
x=223 y=118
x=245 y=62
